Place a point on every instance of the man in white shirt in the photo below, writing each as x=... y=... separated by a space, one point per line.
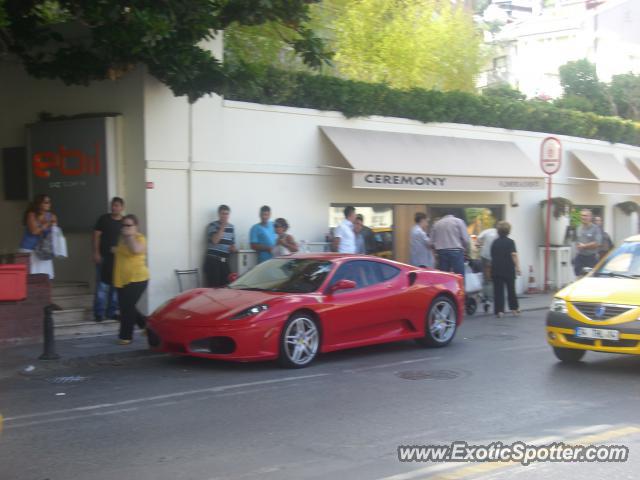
x=484 y=242
x=344 y=240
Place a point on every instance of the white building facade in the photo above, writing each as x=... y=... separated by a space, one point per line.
x=176 y=163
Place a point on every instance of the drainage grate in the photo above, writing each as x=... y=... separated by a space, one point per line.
x=66 y=380
x=428 y=374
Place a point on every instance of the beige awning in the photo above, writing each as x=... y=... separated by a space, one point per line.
x=408 y=161
x=612 y=176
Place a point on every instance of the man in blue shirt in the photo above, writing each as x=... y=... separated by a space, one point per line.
x=263 y=235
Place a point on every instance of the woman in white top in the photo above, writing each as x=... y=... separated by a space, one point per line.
x=285 y=243
x=38 y=222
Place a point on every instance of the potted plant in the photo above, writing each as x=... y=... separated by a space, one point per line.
x=626 y=220
x=560 y=219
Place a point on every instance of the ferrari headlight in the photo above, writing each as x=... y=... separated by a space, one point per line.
x=558 y=305
x=250 y=312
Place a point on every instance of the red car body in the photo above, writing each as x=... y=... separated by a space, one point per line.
x=200 y=322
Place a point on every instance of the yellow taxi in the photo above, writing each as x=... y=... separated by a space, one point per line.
x=601 y=311
x=383 y=237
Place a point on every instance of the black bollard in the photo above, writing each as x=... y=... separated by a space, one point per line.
x=49 y=352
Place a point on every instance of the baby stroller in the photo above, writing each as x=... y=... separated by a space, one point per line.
x=474 y=288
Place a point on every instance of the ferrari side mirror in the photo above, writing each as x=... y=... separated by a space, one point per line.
x=342 y=285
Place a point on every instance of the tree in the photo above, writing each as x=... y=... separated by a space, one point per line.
x=266 y=44
x=582 y=90
x=408 y=43
x=80 y=41
x=625 y=92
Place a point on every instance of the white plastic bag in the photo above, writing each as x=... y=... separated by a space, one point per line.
x=59 y=242
x=472 y=282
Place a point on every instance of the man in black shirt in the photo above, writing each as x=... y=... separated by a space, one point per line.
x=105 y=237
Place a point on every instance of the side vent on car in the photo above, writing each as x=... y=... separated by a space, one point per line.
x=412 y=278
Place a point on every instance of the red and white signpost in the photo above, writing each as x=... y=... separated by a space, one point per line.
x=550 y=162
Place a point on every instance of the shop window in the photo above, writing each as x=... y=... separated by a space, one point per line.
x=477 y=217
x=379 y=218
x=596 y=210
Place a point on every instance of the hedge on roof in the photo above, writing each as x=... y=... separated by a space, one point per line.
x=267 y=85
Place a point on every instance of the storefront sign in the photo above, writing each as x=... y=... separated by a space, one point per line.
x=72 y=162
x=401 y=181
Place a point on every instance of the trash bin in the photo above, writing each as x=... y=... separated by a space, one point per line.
x=13 y=282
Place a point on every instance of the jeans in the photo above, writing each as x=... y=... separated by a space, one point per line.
x=129 y=314
x=105 y=299
x=451 y=260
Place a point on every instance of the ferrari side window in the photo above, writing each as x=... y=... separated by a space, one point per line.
x=351 y=271
x=387 y=271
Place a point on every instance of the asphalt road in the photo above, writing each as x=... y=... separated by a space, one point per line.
x=344 y=417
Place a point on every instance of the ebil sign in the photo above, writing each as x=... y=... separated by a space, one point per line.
x=73 y=161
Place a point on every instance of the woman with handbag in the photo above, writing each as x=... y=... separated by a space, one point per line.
x=37 y=239
x=130 y=277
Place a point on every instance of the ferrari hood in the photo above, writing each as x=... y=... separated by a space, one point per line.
x=210 y=304
x=621 y=291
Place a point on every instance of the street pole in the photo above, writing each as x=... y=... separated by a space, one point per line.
x=550 y=162
x=548 y=236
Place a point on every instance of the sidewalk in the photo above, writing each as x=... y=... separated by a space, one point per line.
x=528 y=302
x=78 y=351
x=103 y=350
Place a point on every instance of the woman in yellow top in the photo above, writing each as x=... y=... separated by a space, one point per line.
x=130 y=277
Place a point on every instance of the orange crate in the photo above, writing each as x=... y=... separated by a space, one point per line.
x=13 y=282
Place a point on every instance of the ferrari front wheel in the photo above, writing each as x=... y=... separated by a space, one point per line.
x=299 y=342
x=441 y=323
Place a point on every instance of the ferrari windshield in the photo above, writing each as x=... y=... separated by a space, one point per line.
x=624 y=262
x=295 y=275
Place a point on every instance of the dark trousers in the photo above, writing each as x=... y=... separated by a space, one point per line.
x=498 y=293
x=451 y=260
x=582 y=261
x=128 y=297
x=216 y=271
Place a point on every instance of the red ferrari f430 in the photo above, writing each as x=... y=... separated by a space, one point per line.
x=292 y=308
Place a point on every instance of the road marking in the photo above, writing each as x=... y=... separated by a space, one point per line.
x=594 y=434
x=392 y=364
x=217 y=389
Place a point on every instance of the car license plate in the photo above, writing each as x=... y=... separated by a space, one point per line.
x=597 y=333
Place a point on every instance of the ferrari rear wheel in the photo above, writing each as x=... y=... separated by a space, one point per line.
x=441 y=323
x=568 y=355
x=300 y=341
